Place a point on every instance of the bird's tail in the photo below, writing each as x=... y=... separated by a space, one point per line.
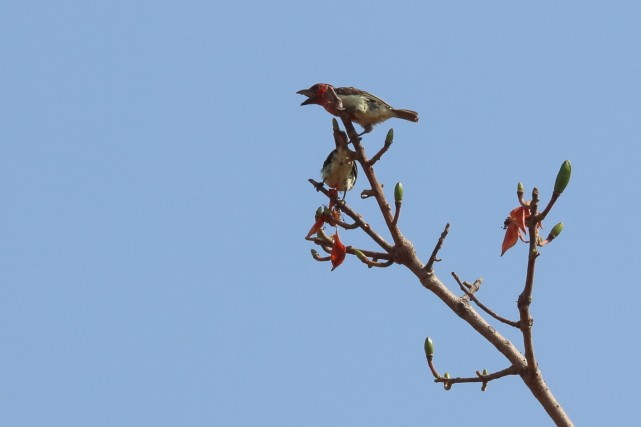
x=409 y=115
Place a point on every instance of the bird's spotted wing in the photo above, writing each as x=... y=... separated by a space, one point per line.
x=353 y=91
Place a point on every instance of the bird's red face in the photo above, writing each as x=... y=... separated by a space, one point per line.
x=314 y=94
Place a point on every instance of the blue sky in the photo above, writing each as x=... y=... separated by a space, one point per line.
x=154 y=173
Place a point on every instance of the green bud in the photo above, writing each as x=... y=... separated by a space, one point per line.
x=359 y=254
x=314 y=253
x=319 y=211
x=556 y=230
x=398 y=192
x=563 y=177
x=446 y=375
x=519 y=188
x=335 y=124
x=390 y=136
x=485 y=372
x=429 y=347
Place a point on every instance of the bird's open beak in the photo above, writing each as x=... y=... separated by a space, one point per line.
x=309 y=94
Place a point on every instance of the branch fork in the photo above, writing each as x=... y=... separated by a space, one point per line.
x=401 y=251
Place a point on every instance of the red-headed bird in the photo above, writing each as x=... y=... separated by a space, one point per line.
x=363 y=108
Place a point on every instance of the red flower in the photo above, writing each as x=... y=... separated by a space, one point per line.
x=318 y=224
x=514 y=225
x=338 y=252
x=329 y=216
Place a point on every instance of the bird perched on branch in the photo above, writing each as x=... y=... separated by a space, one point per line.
x=362 y=107
x=339 y=170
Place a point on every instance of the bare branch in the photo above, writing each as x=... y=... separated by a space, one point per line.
x=377 y=156
x=469 y=291
x=525 y=299
x=553 y=199
x=370 y=262
x=430 y=363
x=480 y=378
x=439 y=245
x=317 y=257
x=346 y=226
x=367 y=193
x=370 y=254
x=397 y=211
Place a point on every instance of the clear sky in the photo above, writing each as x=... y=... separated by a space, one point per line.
x=153 y=174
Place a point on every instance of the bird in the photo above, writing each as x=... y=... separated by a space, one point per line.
x=339 y=170
x=362 y=107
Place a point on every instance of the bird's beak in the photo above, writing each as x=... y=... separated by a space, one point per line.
x=309 y=94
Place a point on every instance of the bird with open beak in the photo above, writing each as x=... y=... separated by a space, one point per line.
x=362 y=107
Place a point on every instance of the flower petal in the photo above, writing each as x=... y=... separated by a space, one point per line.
x=338 y=253
x=320 y=221
x=511 y=236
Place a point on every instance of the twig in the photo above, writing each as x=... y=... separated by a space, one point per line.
x=317 y=257
x=480 y=378
x=377 y=156
x=397 y=211
x=430 y=363
x=345 y=225
x=439 y=245
x=369 y=254
x=321 y=239
x=553 y=199
x=369 y=262
x=376 y=187
x=367 y=193
x=364 y=256
x=525 y=298
x=342 y=205
x=470 y=294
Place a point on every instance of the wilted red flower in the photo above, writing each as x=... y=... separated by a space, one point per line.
x=318 y=224
x=514 y=225
x=323 y=216
x=338 y=253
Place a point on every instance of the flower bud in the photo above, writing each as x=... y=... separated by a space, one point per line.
x=398 y=192
x=519 y=188
x=556 y=230
x=563 y=177
x=485 y=372
x=429 y=347
x=447 y=385
x=390 y=136
x=334 y=124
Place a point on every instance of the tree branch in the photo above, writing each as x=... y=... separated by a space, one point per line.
x=480 y=378
x=439 y=245
x=482 y=306
x=383 y=150
x=342 y=205
x=402 y=252
x=525 y=299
